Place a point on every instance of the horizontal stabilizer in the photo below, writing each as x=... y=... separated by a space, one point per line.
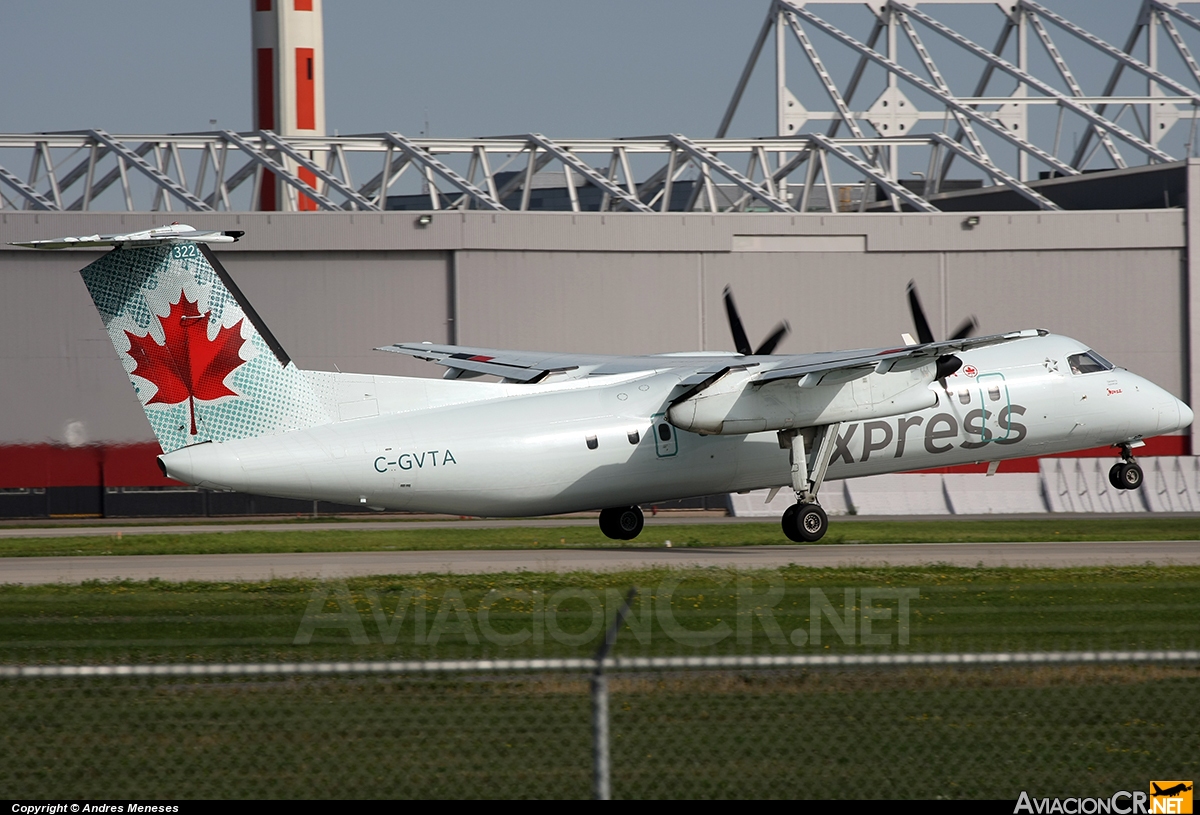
x=172 y=233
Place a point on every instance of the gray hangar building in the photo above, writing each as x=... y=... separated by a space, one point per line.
x=625 y=246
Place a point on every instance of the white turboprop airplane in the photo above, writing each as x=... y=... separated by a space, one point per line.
x=571 y=432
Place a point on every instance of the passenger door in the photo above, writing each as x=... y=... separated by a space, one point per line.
x=666 y=443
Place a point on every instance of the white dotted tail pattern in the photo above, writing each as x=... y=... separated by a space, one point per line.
x=198 y=365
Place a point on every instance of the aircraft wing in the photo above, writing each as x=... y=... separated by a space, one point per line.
x=522 y=366
x=737 y=399
x=883 y=360
x=704 y=368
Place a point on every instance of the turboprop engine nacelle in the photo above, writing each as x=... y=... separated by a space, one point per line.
x=735 y=404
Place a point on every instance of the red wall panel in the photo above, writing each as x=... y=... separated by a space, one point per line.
x=265 y=76
x=265 y=115
x=309 y=178
x=1158 y=446
x=306 y=88
x=51 y=465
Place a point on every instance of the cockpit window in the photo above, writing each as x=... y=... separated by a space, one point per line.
x=1089 y=362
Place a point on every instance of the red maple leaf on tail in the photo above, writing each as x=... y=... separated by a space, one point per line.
x=188 y=366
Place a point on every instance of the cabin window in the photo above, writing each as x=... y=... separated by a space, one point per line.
x=964 y=396
x=664 y=431
x=1089 y=362
x=634 y=437
x=592 y=443
x=994 y=393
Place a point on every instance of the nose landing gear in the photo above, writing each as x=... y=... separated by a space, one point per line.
x=1125 y=474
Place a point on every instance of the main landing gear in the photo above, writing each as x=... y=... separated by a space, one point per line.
x=621 y=523
x=805 y=521
x=1125 y=474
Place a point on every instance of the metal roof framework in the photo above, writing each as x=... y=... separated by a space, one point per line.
x=223 y=162
x=898 y=108
x=982 y=128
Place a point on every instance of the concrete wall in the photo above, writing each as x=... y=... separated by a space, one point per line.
x=333 y=286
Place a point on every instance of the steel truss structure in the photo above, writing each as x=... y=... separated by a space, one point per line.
x=1018 y=82
x=895 y=110
x=225 y=162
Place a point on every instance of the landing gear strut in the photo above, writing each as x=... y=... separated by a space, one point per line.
x=621 y=523
x=805 y=521
x=1125 y=474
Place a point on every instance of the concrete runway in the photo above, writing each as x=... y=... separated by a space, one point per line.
x=206 y=528
x=109 y=527
x=256 y=567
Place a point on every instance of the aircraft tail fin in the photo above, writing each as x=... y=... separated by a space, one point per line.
x=202 y=362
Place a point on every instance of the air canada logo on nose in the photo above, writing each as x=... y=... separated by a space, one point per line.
x=188 y=366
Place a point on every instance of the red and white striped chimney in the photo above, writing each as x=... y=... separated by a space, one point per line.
x=289 y=82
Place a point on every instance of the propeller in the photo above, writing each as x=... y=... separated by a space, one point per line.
x=741 y=342
x=947 y=364
x=924 y=334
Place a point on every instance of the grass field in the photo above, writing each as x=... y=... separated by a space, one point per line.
x=790 y=610
x=820 y=734
x=921 y=733
x=414 y=537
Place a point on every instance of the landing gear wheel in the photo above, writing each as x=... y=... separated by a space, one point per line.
x=608 y=523
x=790 y=528
x=1114 y=476
x=1130 y=476
x=621 y=523
x=812 y=521
x=805 y=523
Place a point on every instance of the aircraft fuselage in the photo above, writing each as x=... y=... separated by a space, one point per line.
x=605 y=441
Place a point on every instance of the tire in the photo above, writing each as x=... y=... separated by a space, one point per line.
x=608 y=523
x=790 y=528
x=628 y=523
x=1114 y=476
x=1131 y=476
x=621 y=523
x=811 y=522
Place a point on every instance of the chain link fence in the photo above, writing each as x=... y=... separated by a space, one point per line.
x=852 y=726
x=849 y=683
